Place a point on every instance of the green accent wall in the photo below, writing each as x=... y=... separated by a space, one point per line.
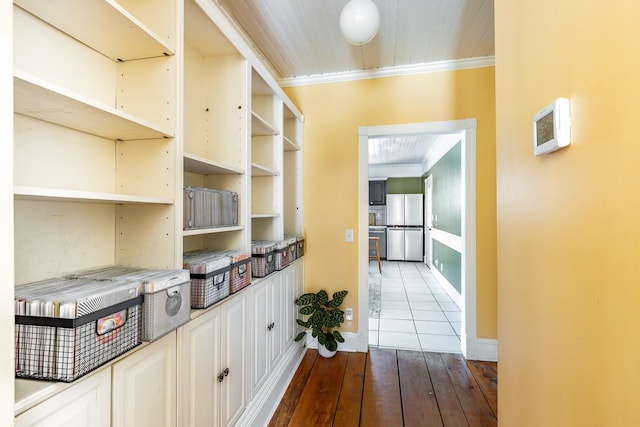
x=447 y=191
x=405 y=185
x=452 y=261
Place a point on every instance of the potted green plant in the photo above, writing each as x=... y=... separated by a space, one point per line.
x=324 y=316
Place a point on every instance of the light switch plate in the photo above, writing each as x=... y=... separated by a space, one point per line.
x=348 y=235
x=348 y=313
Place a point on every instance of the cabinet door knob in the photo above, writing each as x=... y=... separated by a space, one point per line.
x=226 y=372
x=220 y=377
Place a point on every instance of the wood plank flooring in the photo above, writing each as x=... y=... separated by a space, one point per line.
x=390 y=388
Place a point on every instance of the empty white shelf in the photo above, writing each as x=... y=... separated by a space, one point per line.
x=264 y=215
x=211 y=230
x=289 y=145
x=260 y=170
x=37 y=98
x=260 y=127
x=200 y=165
x=102 y=25
x=55 y=194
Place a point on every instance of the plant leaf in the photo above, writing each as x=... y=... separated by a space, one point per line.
x=340 y=294
x=302 y=323
x=331 y=345
x=301 y=335
x=334 y=303
x=322 y=339
x=323 y=297
x=338 y=336
x=306 y=310
x=306 y=299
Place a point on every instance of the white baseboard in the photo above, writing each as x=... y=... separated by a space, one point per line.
x=448 y=287
x=350 y=344
x=479 y=349
x=261 y=408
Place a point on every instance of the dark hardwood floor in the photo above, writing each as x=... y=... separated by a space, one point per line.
x=390 y=388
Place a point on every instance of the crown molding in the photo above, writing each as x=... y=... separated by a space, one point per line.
x=431 y=67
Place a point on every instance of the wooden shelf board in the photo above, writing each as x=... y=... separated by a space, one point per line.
x=200 y=165
x=103 y=25
x=42 y=100
x=260 y=127
x=211 y=230
x=259 y=170
x=290 y=145
x=54 y=194
x=264 y=215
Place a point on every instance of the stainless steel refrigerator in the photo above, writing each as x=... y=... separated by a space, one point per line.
x=405 y=231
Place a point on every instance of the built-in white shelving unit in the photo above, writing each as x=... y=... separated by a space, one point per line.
x=117 y=106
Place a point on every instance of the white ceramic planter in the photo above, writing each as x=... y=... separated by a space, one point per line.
x=324 y=352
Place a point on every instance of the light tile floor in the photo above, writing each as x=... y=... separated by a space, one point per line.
x=408 y=309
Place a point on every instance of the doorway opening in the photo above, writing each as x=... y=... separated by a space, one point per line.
x=464 y=244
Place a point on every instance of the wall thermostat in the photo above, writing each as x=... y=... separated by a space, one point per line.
x=552 y=127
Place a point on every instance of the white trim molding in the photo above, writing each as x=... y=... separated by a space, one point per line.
x=403 y=70
x=479 y=348
x=351 y=342
x=472 y=346
x=265 y=402
x=448 y=287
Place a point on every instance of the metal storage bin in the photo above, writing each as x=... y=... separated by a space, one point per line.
x=299 y=246
x=167 y=296
x=240 y=270
x=263 y=260
x=66 y=328
x=282 y=255
x=209 y=278
x=292 y=242
x=208 y=207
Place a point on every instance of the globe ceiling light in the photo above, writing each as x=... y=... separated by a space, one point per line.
x=359 y=21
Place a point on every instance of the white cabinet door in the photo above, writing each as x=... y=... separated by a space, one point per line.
x=260 y=334
x=144 y=386
x=299 y=289
x=199 y=363
x=276 y=323
x=233 y=346
x=84 y=404
x=288 y=305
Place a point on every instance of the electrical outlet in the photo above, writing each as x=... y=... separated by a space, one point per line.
x=348 y=235
x=348 y=313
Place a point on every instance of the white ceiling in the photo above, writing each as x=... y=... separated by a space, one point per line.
x=301 y=38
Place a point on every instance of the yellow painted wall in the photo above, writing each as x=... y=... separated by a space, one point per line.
x=333 y=113
x=569 y=222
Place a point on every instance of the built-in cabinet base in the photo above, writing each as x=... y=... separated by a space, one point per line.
x=203 y=374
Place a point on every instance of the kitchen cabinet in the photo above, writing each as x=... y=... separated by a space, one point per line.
x=144 y=386
x=86 y=403
x=377 y=193
x=213 y=365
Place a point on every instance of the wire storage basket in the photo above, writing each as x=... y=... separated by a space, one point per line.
x=210 y=274
x=263 y=260
x=66 y=328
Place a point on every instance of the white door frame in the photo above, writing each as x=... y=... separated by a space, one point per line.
x=470 y=345
x=428 y=221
